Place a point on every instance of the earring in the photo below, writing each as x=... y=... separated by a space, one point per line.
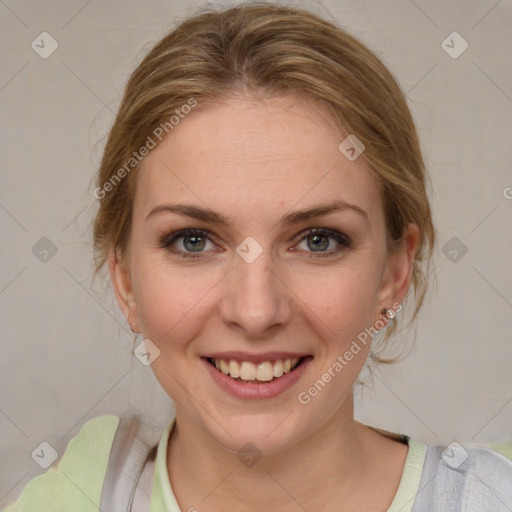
x=387 y=313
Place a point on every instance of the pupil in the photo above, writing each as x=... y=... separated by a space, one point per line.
x=316 y=238
x=196 y=242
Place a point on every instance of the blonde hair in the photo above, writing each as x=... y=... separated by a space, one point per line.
x=267 y=49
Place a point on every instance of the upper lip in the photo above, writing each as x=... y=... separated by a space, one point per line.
x=254 y=358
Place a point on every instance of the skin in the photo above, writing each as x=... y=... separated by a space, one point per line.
x=254 y=161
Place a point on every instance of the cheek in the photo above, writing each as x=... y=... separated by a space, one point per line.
x=169 y=299
x=340 y=302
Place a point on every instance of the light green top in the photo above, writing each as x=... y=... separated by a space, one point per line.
x=75 y=483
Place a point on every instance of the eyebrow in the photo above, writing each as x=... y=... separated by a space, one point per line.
x=208 y=215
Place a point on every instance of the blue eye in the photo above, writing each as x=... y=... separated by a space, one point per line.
x=320 y=238
x=318 y=241
x=194 y=240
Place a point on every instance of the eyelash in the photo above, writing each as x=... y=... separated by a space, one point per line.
x=342 y=239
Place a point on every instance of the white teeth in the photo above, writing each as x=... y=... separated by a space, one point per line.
x=263 y=372
x=234 y=369
x=278 y=368
x=247 y=371
x=224 y=367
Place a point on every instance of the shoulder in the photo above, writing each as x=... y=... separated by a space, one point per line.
x=457 y=477
x=489 y=478
x=76 y=479
x=488 y=460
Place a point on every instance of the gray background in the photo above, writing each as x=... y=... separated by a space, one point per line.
x=66 y=350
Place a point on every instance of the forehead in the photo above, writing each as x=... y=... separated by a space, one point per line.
x=243 y=156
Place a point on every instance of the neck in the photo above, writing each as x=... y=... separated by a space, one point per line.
x=330 y=462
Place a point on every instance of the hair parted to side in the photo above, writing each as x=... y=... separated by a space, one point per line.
x=264 y=50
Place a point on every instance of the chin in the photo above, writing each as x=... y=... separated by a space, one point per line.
x=267 y=433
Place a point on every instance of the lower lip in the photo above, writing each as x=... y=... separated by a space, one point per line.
x=253 y=390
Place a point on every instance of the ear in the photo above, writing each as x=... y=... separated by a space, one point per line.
x=123 y=289
x=396 y=277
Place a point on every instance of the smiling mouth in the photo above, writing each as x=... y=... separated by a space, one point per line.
x=263 y=372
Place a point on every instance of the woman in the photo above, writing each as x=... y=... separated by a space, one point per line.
x=264 y=216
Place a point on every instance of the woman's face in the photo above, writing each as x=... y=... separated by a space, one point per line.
x=250 y=284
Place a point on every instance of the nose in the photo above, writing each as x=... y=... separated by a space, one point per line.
x=256 y=299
